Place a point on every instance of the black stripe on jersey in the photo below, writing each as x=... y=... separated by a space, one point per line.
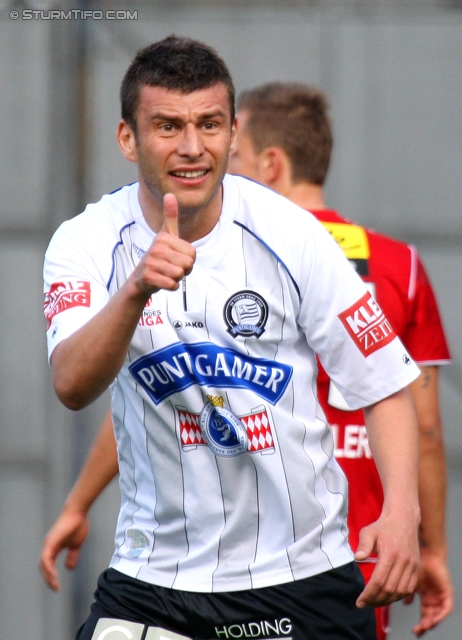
x=183 y=289
x=239 y=224
x=185 y=523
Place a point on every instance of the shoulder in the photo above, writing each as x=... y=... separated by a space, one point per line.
x=394 y=259
x=111 y=213
x=101 y=223
x=391 y=245
x=270 y=216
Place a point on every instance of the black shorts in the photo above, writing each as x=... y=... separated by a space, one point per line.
x=321 y=607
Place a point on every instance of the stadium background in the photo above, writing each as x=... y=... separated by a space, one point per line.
x=392 y=71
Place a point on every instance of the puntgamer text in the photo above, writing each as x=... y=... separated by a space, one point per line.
x=179 y=366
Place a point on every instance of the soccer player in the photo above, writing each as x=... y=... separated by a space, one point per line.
x=201 y=300
x=285 y=142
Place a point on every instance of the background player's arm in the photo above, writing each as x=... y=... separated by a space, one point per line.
x=434 y=586
x=71 y=527
x=86 y=363
x=392 y=432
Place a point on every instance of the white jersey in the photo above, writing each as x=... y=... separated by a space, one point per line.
x=226 y=462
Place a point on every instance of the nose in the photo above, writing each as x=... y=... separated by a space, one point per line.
x=191 y=143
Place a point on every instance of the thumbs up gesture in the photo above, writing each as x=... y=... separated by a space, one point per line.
x=169 y=259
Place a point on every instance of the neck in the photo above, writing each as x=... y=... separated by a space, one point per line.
x=306 y=195
x=193 y=224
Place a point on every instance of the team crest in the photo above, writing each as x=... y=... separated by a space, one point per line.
x=225 y=433
x=246 y=314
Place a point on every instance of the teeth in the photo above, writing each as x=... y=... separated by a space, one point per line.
x=190 y=174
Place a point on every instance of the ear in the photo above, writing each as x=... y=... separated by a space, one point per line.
x=127 y=141
x=233 y=145
x=272 y=165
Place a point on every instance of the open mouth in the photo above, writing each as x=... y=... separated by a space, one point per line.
x=190 y=174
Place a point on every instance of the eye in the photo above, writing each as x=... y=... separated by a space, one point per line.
x=167 y=127
x=209 y=126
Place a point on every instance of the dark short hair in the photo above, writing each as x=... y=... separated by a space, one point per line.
x=175 y=63
x=294 y=117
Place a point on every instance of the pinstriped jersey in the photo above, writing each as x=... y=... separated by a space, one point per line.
x=227 y=472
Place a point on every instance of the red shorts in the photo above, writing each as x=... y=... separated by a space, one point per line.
x=382 y=614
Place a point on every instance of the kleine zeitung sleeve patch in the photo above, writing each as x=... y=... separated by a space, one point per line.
x=65 y=295
x=367 y=325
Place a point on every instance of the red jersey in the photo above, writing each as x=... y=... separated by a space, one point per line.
x=398 y=281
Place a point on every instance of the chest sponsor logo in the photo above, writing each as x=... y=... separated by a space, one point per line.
x=65 y=295
x=367 y=325
x=245 y=314
x=179 y=366
x=224 y=432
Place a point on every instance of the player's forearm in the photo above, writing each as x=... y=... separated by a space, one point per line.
x=392 y=432
x=100 y=467
x=432 y=465
x=432 y=498
x=86 y=363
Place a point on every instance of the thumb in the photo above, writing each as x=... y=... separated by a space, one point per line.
x=170 y=209
x=366 y=544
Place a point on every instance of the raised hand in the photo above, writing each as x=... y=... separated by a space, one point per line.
x=169 y=259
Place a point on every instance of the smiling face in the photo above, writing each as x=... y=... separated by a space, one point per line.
x=181 y=146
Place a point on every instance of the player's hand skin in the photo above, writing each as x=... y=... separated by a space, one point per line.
x=71 y=527
x=68 y=532
x=169 y=259
x=435 y=590
x=395 y=541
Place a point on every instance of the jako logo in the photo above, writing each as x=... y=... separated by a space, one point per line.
x=194 y=325
x=367 y=325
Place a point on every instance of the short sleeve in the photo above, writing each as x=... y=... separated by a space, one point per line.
x=347 y=329
x=74 y=285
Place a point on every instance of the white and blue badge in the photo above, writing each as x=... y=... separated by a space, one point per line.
x=246 y=314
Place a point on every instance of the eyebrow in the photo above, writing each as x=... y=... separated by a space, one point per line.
x=174 y=119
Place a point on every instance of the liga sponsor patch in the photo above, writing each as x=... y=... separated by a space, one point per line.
x=367 y=325
x=65 y=295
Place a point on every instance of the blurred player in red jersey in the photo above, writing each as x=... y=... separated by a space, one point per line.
x=284 y=142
